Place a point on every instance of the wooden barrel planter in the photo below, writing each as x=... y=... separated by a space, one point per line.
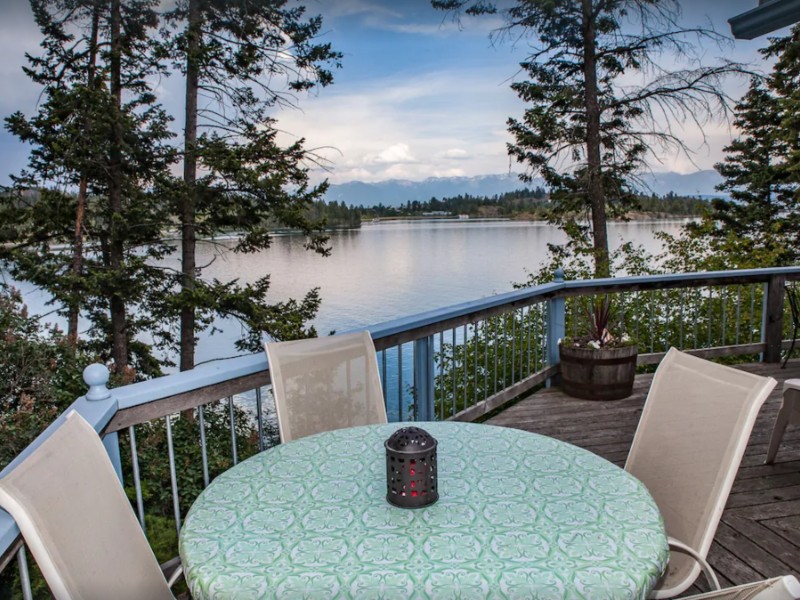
x=605 y=374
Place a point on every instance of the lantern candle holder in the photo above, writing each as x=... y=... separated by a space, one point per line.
x=411 y=469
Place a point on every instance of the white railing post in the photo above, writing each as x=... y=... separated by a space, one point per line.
x=556 y=327
x=96 y=377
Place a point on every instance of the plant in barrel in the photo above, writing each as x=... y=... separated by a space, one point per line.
x=600 y=362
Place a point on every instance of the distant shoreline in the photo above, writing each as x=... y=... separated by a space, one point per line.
x=639 y=217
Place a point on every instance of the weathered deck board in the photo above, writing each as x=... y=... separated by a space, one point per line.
x=759 y=535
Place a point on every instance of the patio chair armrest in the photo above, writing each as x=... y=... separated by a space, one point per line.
x=172 y=570
x=679 y=546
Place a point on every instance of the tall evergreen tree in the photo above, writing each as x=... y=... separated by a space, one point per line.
x=585 y=131
x=243 y=58
x=762 y=210
x=98 y=153
x=758 y=225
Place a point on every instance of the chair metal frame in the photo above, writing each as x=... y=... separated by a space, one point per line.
x=96 y=511
x=789 y=414
x=794 y=308
x=661 y=436
x=777 y=588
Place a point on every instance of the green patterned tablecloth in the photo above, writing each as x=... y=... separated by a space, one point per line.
x=519 y=516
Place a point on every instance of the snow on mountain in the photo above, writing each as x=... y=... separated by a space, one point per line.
x=394 y=192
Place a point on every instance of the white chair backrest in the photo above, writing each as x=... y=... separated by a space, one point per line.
x=77 y=522
x=692 y=434
x=326 y=383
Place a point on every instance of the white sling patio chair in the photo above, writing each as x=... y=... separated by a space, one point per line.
x=77 y=522
x=777 y=588
x=789 y=414
x=326 y=383
x=687 y=449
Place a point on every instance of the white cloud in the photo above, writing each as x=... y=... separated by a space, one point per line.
x=410 y=125
x=416 y=18
x=349 y=8
x=396 y=153
x=455 y=153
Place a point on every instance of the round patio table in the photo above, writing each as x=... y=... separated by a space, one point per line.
x=520 y=515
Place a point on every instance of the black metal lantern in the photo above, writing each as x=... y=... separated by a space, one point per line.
x=411 y=468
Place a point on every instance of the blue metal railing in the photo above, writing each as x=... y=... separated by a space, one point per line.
x=451 y=357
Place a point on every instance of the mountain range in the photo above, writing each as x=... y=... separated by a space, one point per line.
x=394 y=192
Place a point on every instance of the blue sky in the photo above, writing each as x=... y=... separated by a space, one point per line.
x=418 y=95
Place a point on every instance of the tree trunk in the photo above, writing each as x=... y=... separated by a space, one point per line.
x=119 y=340
x=594 y=173
x=77 y=266
x=80 y=209
x=188 y=207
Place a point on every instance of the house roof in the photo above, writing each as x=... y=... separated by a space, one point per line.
x=767 y=17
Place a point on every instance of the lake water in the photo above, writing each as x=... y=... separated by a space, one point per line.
x=390 y=269
x=385 y=271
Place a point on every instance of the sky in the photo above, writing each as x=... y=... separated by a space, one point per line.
x=418 y=95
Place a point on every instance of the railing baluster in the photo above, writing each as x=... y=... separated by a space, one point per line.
x=494 y=352
x=485 y=359
x=455 y=370
x=259 y=420
x=173 y=478
x=752 y=312
x=137 y=482
x=636 y=314
x=544 y=357
x=537 y=340
x=696 y=313
x=233 y=431
x=400 y=381
x=466 y=370
x=667 y=310
x=652 y=334
x=201 y=421
x=505 y=349
x=738 y=311
x=681 y=341
x=383 y=374
x=528 y=324
x=475 y=342
x=24 y=574
x=441 y=375
x=414 y=416
x=710 y=303
x=513 y=346
x=575 y=316
x=723 y=292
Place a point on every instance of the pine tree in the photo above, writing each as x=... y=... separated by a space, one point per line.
x=762 y=207
x=244 y=58
x=759 y=224
x=586 y=132
x=85 y=218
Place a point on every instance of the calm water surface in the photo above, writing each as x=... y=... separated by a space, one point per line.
x=388 y=270
x=385 y=271
x=392 y=269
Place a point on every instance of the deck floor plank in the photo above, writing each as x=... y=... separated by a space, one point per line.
x=759 y=535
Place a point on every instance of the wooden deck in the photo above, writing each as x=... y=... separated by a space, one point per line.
x=759 y=535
